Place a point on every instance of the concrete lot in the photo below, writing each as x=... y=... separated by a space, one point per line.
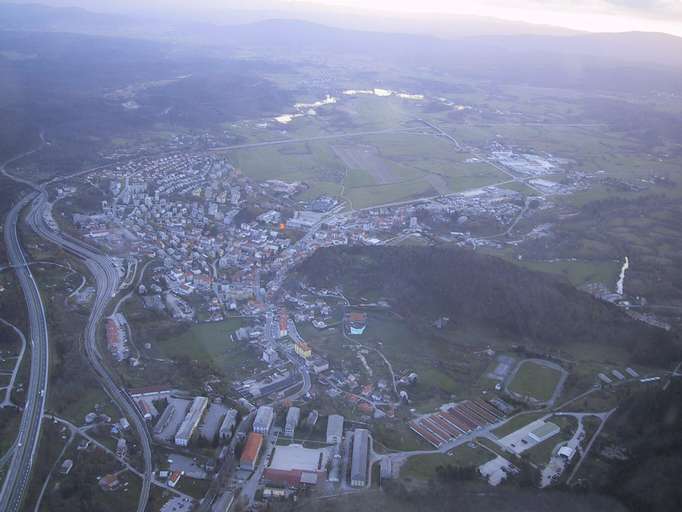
x=520 y=440
x=214 y=417
x=496 y=470
x=187 y=464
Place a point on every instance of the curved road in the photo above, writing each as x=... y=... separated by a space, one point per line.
x=7 y=401
x=107 y=279
x=19 y=472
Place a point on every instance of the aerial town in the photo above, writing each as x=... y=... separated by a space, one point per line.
x=303 y=258
x=208 y=262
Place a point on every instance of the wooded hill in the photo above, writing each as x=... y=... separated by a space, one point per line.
x=479 y=290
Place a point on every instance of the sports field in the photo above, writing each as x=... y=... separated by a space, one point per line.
x=535 y=380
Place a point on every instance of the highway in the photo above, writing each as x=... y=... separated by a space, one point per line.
x=107 y=279
x=19 y=471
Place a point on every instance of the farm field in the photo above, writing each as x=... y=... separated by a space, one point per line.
x=369 y=170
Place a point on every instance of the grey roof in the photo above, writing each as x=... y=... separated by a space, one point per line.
x=334 y=425
x=309 y=478
x=360 y=453
x=293 y=415
x=264 y=417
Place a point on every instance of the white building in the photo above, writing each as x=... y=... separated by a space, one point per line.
x=228 y=424
x=360 y=457
x=334 y=428
x=192 y=419
x=264 y=418
x=293 y=417
x=270 y=355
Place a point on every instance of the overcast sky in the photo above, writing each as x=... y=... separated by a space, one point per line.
x=592 y=15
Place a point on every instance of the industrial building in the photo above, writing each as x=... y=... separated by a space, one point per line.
x=544 y=431
x=334 y=428
x=264 y=418
x=228 y=424
x=294 y=465
x=293 y=417
x=192 y=419
x=452 y=422
x=254 y=443
x=317 y=364
x=273 y=383
x=360 y=458
x=145 y=409
x=335 y=466
x=270 y=355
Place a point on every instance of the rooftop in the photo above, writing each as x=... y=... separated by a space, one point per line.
x=295 y=456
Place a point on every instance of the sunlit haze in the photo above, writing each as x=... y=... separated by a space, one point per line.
x=340 y=255
x=589 y=15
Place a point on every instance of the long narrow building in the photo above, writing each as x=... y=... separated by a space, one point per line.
x=264 y=418
x=293 y=417
x=191 y=421
x=359 y=461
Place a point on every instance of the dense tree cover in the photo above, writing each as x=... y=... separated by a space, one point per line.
x=475 y=289
x=80 y=490
x=649 y=427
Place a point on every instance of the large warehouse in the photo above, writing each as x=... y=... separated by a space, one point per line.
x=294 y=465
x=359 y=461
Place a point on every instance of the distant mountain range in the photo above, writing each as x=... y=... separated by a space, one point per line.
x=458 y=38
x=239 y=12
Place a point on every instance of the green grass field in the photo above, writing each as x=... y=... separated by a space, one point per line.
x=516 y=423
x=364 y=196
x=535 y=381
x=210 y=342
x=201 y=341
x=423 y=467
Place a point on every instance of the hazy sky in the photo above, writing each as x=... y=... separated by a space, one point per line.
x=592 y=15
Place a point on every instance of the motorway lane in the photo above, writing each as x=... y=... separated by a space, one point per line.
x=19 y=472
x=107 y=279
